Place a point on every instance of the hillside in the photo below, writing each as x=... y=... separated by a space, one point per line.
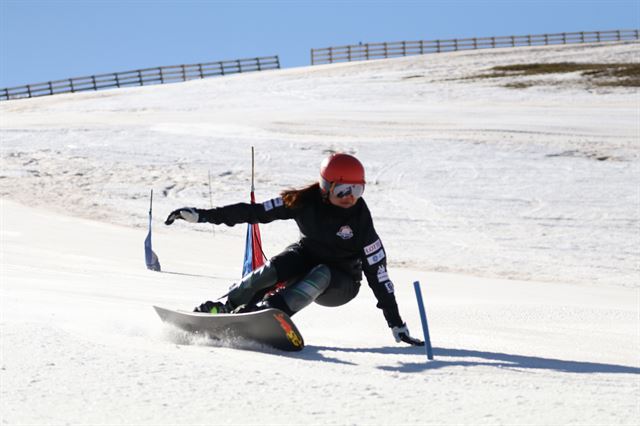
x=515 y=205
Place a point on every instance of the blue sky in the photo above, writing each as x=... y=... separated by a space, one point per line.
x=55 y=39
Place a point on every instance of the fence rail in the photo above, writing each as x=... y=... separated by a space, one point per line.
x=362 y=52
x=142 y=77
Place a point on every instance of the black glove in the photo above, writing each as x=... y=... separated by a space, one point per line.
x=401 y=334
x=189 y=214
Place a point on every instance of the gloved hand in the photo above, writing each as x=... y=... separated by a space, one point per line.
x=402 y=334
x=185 y=213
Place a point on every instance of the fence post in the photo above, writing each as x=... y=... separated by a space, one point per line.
x=637 y=34
x=513 y=41
x=50 y=89
x=239 y=65
x=619 y=38
x=93 y=80
x=598 y=35
x=404 y=48
x=140 y=82
x=258 y=64
x=581 y=36
x=386 y=51
x=493 y=42
x=564 y=38
x=331 y=55
x=161 y=75
x=184 y=73
x=313 y=62
x=117 y=80
x=438 y=46
x=529 y=39
x=421 y=47
x=277 y=62
x=73 y=90
x=349 y=53
x=221 y=68
x=455 y=44
x=475 y=43
x=29 y=90
x=546 y=39
x=366 y=49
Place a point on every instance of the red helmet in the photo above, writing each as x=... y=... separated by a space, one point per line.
x=340 y=168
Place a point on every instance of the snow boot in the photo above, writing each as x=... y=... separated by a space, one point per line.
x=210 y=307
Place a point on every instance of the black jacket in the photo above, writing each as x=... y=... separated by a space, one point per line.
x=331 y=234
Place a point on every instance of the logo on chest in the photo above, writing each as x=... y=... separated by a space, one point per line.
x=345 y=232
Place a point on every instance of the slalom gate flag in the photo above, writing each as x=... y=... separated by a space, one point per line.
x=253 y=255
x=149 y=256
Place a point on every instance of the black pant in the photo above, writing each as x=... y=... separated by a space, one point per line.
x=295 y=262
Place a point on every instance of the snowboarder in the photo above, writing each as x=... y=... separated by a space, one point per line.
x=338 y=243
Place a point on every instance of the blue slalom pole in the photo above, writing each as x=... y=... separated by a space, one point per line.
x=423 y=318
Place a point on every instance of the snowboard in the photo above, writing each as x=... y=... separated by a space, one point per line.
x=270 y=327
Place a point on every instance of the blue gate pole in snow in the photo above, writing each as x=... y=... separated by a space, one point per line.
x=423 y=318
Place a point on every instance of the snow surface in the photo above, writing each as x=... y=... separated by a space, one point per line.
x=518 y=210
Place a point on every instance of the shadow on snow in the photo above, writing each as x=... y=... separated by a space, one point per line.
x=445 y=357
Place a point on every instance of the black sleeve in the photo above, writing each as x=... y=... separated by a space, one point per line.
x=247 y=213
x=374 y=266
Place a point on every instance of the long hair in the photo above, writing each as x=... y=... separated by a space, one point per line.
x=294 y=198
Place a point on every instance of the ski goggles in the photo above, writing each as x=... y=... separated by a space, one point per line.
x=342 y=190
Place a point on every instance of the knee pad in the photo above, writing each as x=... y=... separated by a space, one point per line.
x=305 y=291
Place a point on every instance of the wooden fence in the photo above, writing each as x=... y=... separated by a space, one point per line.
x=361 y=52
x=142 y=77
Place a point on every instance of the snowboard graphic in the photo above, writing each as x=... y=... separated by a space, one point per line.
x=270 y=327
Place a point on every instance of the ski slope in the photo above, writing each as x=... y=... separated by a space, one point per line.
x=525 y=243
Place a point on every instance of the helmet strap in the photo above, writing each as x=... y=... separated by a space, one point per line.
x=325 y=187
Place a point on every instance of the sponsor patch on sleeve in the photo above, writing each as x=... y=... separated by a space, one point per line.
x=275 y=202
x=376 y=257
x=377 y=245
x=389 y=286
x=382 y=274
